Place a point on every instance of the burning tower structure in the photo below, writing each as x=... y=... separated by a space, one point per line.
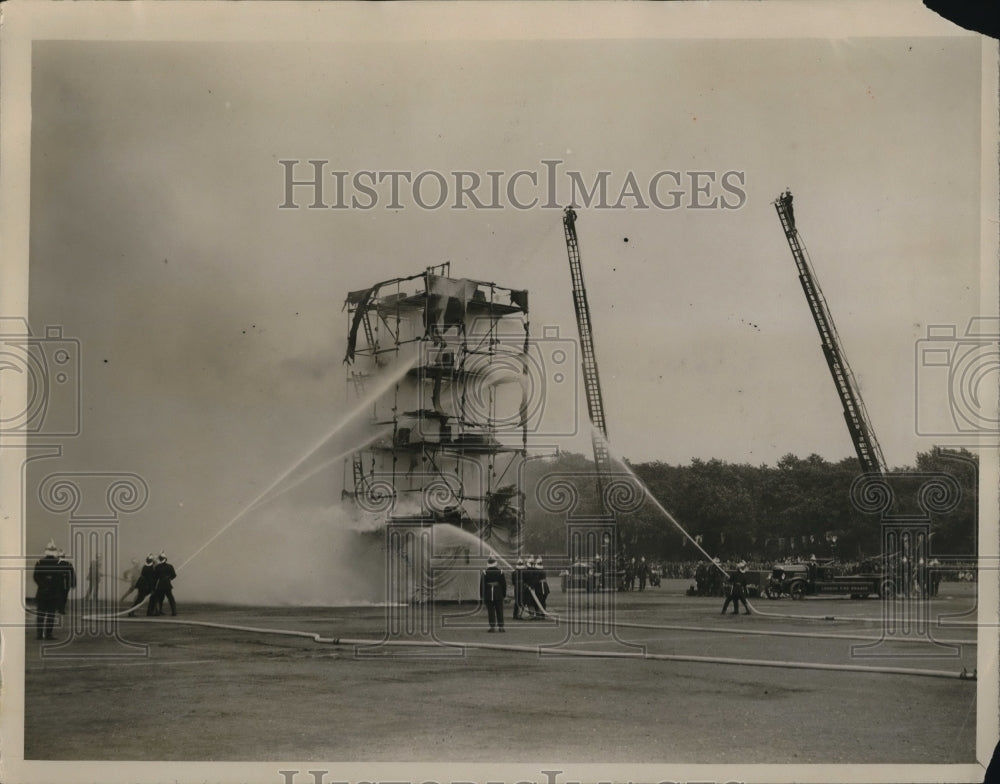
x=449 y=434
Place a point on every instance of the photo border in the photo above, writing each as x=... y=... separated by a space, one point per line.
x=26 y=22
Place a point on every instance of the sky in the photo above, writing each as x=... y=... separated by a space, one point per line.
x=209 y=319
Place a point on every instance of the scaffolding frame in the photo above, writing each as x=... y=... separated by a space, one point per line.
x=385 y=319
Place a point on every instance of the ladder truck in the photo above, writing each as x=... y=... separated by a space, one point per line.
x=882 y=582
x=858 y=424
x=588 y=360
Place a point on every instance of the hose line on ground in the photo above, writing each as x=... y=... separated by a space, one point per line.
x=534 y=649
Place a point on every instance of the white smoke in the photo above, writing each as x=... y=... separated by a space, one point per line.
x=290 y=554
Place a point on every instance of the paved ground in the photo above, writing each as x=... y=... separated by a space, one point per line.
x=204 y=693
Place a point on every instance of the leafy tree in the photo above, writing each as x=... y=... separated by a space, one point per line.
x=796 y=508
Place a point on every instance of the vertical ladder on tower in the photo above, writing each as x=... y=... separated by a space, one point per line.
x=359 y=473
x=369 y=333
x=588 y=359
x=360 y=382
x=858 y=425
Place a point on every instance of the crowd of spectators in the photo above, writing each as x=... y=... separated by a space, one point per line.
x=951 y=571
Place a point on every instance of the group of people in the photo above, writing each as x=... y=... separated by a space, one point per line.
x=154 y=579
x=635 y=572
x=918 y=577
x=55 y=577
x=709 y=579
x=530 y=588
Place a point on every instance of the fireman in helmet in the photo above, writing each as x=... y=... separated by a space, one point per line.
x=492 y=590
x=144 y=585
x=48 y=577
x=517 y=582
x=163 y=575
x=68 y=581
x=542 y=582
x=738 y=590
x=530 y=589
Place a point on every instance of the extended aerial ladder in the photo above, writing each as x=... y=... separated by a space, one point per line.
x=588 y=359
x=858 y=424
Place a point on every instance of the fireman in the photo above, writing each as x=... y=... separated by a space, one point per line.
x=738 y=590
x=542 y=584
x=48 y=576
x=517 y=582
x=94 y=575
x=717 y=578
x=163 y=575
x=492 y=590
x=630 y=570
x=935 y=576
x=787 y=198
x=530 y=588
x=144 y=585
x=68 y=581
x=130 y=577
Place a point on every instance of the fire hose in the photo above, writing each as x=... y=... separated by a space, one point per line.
x=532 y=649
x=356 y=642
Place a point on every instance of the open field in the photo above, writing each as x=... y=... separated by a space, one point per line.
x=200 y=692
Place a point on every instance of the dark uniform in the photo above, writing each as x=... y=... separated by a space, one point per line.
x=717 y=577
x=541 y=584
x=737 y=591
x=163 y=577
x=144 y=585
x=643 y=573
x=517 y=582
x=131 y=576
x=529 y=589
x=68 y=582
x=935 y=576
x=48 y=577
x=906 y=569
x=94 y=579
x=701 y=579
x=812 y=573
x=492 y=590
x=788 y=206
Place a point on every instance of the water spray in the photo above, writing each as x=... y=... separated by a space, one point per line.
x=326 y=464
x=384 y=387
x=649 y=494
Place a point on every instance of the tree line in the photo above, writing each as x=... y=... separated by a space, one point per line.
x=797 y=508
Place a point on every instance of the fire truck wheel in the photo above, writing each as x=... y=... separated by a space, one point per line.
x=797 y=590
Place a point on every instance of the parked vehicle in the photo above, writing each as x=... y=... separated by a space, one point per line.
x=798 y=580
x=580 y=576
